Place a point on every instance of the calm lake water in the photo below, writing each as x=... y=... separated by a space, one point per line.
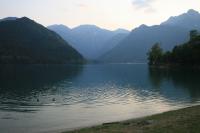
x=49 y=98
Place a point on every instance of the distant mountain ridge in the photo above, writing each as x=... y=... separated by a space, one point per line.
x=90 y=40
x=23 y=41
x=172 y=32
x=186 y=20
x=8 y=18
x=119 y=46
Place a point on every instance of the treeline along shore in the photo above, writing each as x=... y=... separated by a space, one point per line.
x=187 y=54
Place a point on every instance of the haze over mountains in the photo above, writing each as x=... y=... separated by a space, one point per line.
x=121 y=46
x=172 y=32
x=90 y=40
x=23 y=41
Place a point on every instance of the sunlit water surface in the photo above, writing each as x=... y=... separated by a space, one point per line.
x=51 y=98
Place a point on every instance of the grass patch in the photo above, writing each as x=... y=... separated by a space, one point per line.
x=180 y=121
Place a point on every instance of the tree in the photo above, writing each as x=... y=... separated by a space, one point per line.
x=155 y=54
x=193 y=34
x=185 y=54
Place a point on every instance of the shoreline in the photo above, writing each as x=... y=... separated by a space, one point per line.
x=176 y=121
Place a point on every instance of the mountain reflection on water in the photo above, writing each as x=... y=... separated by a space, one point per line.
x=23 y=85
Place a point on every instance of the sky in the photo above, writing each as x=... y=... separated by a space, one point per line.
x=108 y=14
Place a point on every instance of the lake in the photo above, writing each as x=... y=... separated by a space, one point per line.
x=49 y=98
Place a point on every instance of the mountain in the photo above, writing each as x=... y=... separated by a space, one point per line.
x=113 y=42
x=62 y=30
x=23 y=41
x=121 y=31
x=8 y=18
x=135 y=46
x=90 y=40
x=189 y=20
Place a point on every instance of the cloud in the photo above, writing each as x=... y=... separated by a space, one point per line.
x=145 y=5
x=81 y=5
x=150 y=10
x=142 y=3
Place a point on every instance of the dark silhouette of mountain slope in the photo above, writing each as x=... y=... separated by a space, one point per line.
x=8 y=18
x=25 y=41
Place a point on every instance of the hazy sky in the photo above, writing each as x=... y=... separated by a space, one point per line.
x=110 y=14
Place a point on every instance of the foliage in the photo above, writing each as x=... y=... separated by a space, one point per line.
x=193 y=34
x=155 y=54
x=23 y=41
x=185 y=54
